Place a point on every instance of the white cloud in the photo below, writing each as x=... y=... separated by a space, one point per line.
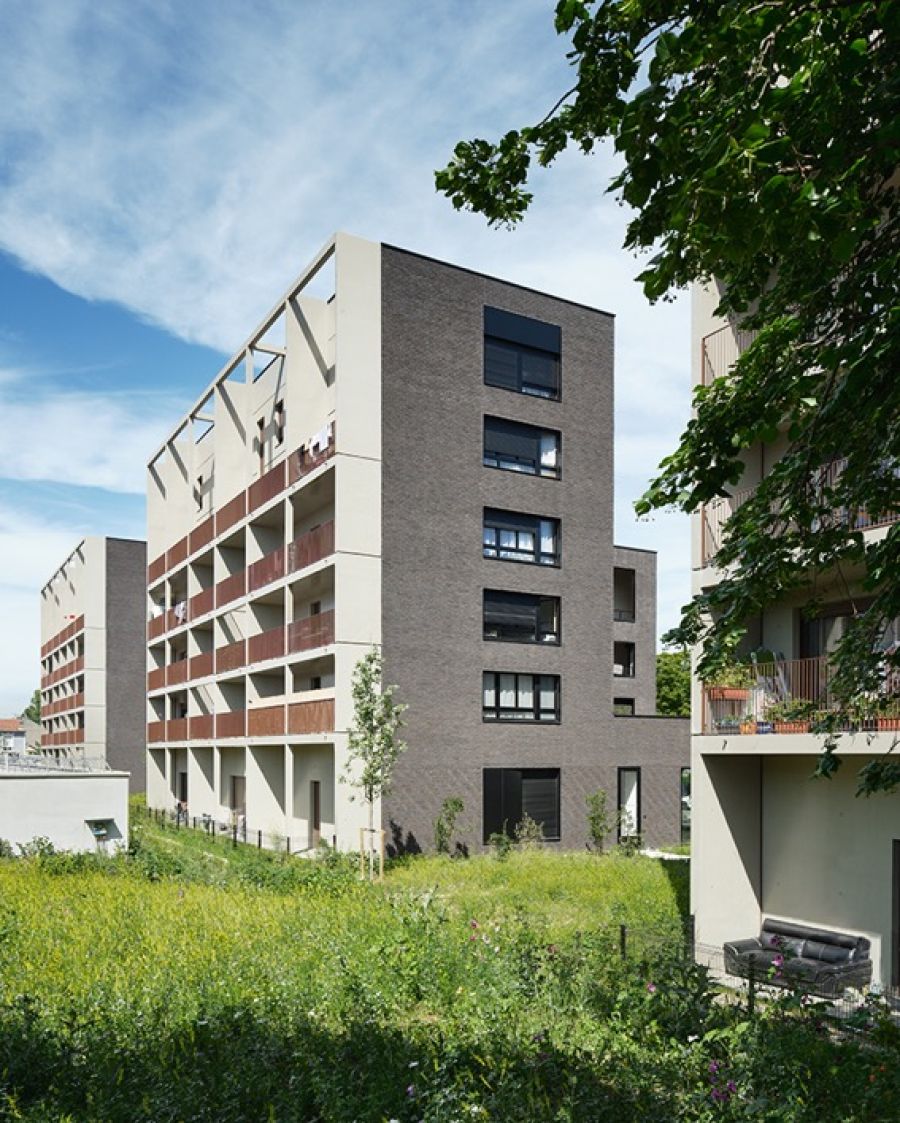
x=186 y=161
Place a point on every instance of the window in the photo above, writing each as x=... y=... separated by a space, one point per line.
x=520 y=617
x=623 y=707
x=685 y=793
x=261 y=442
x=315 y=682
x=623 y=595
x=511 y=793
x=623 y=660
x=521 y=354
x=514 y=697
x=629 y=802
x=279 y=423
x=315 y=608
x=515 y=447
x=523 y=538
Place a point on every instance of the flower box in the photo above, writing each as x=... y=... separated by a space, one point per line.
x=748 y=727
x=888 y=724
x=765 y=727
x=791 y=726
x=727 y=693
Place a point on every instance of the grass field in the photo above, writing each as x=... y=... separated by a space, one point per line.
x=192 y=981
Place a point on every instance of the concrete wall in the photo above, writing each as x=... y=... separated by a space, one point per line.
x=57 y=805
x=126 y=689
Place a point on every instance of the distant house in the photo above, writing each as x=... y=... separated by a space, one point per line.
x=12 y=735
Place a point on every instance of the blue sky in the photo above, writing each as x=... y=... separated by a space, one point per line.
x=169 y=168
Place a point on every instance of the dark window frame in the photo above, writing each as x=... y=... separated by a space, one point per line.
x=623 y=702
x=497 y=713
x=521 y=352
x=620 y=772
x=684 y=827
x=529 y=524
x=625 y=615
x=555 y=638
x=495 y=779
x=632 y=664
x=532 y=466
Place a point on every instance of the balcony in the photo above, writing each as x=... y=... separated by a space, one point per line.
x=156 y=626
x=266 y=645
x=312 y=455
x=308 y=548
x=266 y=487
x=231 y=657
x=311 y=717
x=311 y=632
x=232 y=724
x=177 y=729
x=156 y=679
x=201 y=666
x=201 y=603
x=156 y=732
x=201 y=727
x=790 y=696
x=156 y=569
x=720 y=350
x=231 y=588
x=266 y=570
x=178 y=553
x=177 y=672
x=202 y=535
x=266 y=721
x=231 y=513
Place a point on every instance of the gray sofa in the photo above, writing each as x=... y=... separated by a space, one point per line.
x=816 y=960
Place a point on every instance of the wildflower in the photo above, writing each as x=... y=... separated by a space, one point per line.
x=714 y=1067
x=473 y=923
x=731 y=1087
x=778 y=961
x=651 y=988
x=411 y=1091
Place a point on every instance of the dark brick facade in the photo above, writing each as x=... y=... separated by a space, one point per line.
x=126 y=654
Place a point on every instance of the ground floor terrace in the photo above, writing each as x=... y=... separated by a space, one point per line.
x=771 y=841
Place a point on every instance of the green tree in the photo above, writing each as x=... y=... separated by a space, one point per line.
x=760 y=146
x=374 y=745
x=33 y=710
x=673 y=683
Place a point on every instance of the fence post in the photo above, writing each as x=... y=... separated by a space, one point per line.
x=234 y=836
x=691 y=936
x=623 y=940
x=259 y=840
x=751 y=986
x=287 y=844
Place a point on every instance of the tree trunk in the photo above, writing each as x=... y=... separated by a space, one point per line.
x=371 y=840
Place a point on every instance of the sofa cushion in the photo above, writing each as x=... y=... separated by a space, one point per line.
x=826 y=953
x=788 y=945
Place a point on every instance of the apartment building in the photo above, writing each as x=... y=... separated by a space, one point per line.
x=93 y=699
x=410 y=455
x=768 y=841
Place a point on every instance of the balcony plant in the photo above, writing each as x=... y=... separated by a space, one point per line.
x=887 y=716
x=747 y=724
x=791 y=716
x=731 y=683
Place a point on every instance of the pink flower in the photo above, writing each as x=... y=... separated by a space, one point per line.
x=651 y=988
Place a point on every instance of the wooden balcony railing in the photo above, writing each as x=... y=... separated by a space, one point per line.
x=156 y=626
x=202 y=535
x=266 y=487
x=232 y=724
x=311 y=717
x=231 y=513
x=790 y=696
x=201 y=727
x=231 y=657
x=266 y=721
x=156 y=569
x=201 y=665
x=266 y=645
x=266 y=570
x=156 y=679
x=177 y=672
x=311 y=632
x=176 y=554
x=177 y=729
x=156 y=731
x=231 y=588
x=308 y=548
x=201 y=603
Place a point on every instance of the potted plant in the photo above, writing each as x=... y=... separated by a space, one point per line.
x=747 y=724
x=790 y=717
x=731 y=683
x=729 y=724
x=887 y=717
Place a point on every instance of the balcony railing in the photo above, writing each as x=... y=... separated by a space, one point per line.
x=311 y=717
x=156 y=732
x=266 y=721
x=311 y=455
x=232 y=724
x=313 y=546
x=233 y=511
x=720 y=350
x=791 y=696
x=266 y=487
x=202 y=535
x=177 y=729
x=201 y=603
x=266 y=645
x=231 y=588
x=311 y=632
x=201 y=665
x=201 y=727
x=231 y=657
x=156 y=679
x=266 y=570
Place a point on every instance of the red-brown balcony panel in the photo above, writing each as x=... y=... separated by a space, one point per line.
x=232 y=724
x=156 y=679
x=177 y=672
x=156 y=569
x=201 y=727
x=79 y=624
x=201 y=603
x=266 y=570
x=307 y=459
x=231 y=657
x=266 y=645
x=177 y=729
x=176 y=554
x=45 y=681
x=266 y=487
x=312 y=631
x=233 y=511
x=231 y=588
x=156 y=626
x=311 y=547
x=311 y=717
x=201 y=665
x=156 y=731
x=202 y=535
x=265 y=721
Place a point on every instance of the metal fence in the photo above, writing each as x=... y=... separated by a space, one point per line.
x=233 y=831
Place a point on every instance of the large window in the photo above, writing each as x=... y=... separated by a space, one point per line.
x=522 y=538
x=623 y=595
x=520 y=617
x=512 y=793
x=629 y=802
x=513 y=697
x=623 y=660
x=515 y=447
x=521 y=354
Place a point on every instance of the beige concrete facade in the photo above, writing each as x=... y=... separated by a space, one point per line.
x=768 y=840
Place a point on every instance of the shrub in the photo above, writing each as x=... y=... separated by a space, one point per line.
x=445 y=823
